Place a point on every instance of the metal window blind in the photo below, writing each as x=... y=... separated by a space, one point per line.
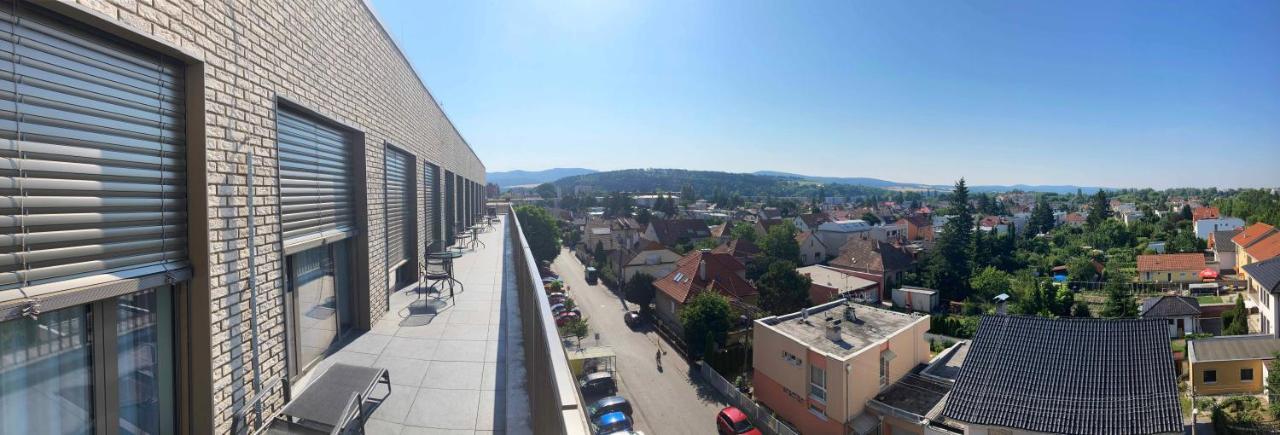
x=431 y=209
x=450 y=208
x=92 y=154
x=399 y=205
x=315 y=180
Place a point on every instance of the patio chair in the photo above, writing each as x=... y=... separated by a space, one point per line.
x=342 y=388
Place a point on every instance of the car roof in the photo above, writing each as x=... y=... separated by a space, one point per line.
x=612 y=417
x=611 y=400
x=733 y=413
x=599 y=375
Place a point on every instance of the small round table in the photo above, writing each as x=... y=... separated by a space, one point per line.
x=448 y=255
x=475 y=236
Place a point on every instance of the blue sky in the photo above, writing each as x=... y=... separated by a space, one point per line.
x=1135 y=93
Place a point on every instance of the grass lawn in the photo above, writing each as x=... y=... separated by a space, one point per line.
x=1210 y=299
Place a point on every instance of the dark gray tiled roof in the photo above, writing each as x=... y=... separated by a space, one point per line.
x=1233 y=348
x=1170 y=306
x=1266 y=273
x=1222 y=240
x=1069 y=376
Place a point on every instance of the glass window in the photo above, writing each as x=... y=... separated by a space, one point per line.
x=1210 y=376
x=818 y=383
x=1246 y=375
x=46 y=383
x=144 y=362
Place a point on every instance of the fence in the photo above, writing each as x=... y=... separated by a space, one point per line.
x=761 y=417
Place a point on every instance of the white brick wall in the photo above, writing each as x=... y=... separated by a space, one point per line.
x=330 y=56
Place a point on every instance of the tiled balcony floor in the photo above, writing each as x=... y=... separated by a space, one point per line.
x=450 y=376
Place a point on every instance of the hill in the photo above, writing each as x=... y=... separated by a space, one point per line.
x=896 y=185
x=672 y=180
x=507 y=179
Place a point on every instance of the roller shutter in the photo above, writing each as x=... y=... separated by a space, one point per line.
x=399 y=207
x=450 y=208
x=92 y=155
x=316 y=185
x=431 y=209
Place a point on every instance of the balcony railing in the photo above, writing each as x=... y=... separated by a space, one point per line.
x=555 y=403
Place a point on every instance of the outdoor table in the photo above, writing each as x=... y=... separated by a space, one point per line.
x=475 y=236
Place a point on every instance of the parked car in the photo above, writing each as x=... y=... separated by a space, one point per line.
x=557 y=298
x=558 y=308
x=612 y=422
x=732 y=420
x=567 y=316
x=598 y=383
x=632 y=318
x=627 y=432
x=607 y=405
x=592 y=276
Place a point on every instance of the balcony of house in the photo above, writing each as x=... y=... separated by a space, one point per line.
x=481 y=355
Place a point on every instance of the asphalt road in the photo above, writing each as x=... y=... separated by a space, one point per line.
x=673 y=400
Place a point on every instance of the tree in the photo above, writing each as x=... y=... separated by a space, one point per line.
x=1273 y=386
x=779 y=244
x=1099 y=209
x=706 y=320
x=1081 y=309
x=618 y=204
x=871 y=218
x=1041 y=220
x=644 y=216
x=783 y=289
x=1185 y=213
x=990 y=282
x=1236 y=320
x=546 y=190
x=640 y=290
x=540 y=231
x=1119 y=302
x=576 y=328
x=744 y=231
x=951 y=266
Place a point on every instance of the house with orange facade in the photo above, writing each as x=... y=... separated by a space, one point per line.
x=819 y=368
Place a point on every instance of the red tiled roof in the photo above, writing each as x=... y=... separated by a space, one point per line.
x=1204 y=213
x=918 y=221
x=1252 y=234
x=1074 y=217
x=861 y=254
x=1151 y=263
x=722 y=276
x=1265 y=249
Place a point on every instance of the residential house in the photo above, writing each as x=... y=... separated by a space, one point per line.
x=818 y=368
x=835 y=233
x=1074 y=219
x=1026 y=375
x=810 y=221
x=881 y=262
x=918 y=227
x=830 y=284
x=1258 y=242
x=701 y=270
x=674 y=232
x=768 y=213
x=1172 y=268
x=812 y=251
x=1130 y=218
x=1230 y=365
x=991 y=223
x=1199 y=213
x=1224 y=250
x=1263 y=281
x=648 y=257
x=722 y=232
x=762 y=226
x=1182 y=313
x=742 y=250
x=1205 y=227
x=890 y=233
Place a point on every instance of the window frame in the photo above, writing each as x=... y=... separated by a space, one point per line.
x=1206 y=374
x=1248 y=370
x=813 y=386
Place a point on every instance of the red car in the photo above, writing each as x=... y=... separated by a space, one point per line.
x=733 y=421
x=567 y=316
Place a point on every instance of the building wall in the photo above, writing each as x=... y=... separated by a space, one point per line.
x=812 y=252
x=668 y=311
x=1187 y=275
x=1228 y=377
x=331 y=58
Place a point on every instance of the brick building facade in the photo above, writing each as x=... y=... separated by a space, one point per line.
x=241 y=63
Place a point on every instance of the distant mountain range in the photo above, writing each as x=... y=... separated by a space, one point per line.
x=618 y=178
x=508 y=179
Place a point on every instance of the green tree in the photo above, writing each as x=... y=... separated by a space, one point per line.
x=640 y=290
x=783 y=289
x=706 y=320
x=744 y=231
x=1041 y=220
x=540 y=231
x=951 y=265
x=1081 y=309
x=990 y=282
x=1273 y=386
x=780 y=243
x=1119 y=304
x=1185 y=212
x=871 y=218
x=577 y=328
x=643 y=216
x=1099 y=209
x=1080 y=269
x=1236 y=320
x=546 y=190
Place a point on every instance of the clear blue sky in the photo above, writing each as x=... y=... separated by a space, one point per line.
x=1112 y=93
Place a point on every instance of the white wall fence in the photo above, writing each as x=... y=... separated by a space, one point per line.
x=761 y=417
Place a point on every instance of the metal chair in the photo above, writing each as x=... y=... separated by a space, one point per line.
x=436 y=272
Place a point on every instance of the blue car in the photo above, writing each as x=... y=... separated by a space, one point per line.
x=612 y=422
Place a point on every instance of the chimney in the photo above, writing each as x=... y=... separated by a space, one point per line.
x=1001 y=300
x=804 y=315
x=849 y=314
x=702 y=270
x=832 y=330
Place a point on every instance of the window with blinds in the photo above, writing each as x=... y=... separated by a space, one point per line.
x=316 y=185
x=450 y=208
x=92 y=154
x=431 y=207
x=399 y=206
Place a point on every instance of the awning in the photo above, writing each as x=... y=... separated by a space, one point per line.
x=1209 y=274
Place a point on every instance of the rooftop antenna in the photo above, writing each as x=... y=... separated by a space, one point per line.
x=804 y=314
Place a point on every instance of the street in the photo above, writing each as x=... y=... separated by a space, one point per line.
x=670 y=401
